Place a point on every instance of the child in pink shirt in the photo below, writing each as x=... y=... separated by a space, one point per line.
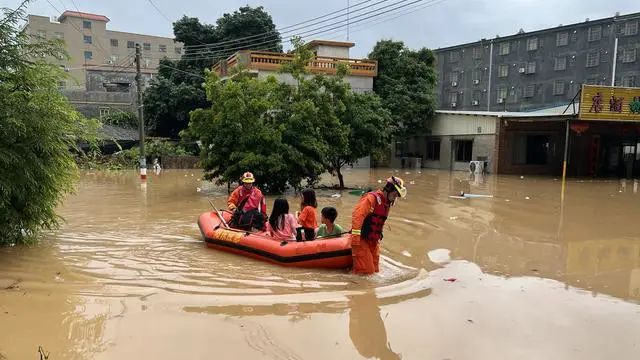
x=282 y=225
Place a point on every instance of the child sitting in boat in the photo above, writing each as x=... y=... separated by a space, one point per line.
x=282 y=225
x=307 y=217
x=328 y=217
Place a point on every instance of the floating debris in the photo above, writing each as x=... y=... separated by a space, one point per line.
x=336 y=196
x=198 y=189
x=451 y=280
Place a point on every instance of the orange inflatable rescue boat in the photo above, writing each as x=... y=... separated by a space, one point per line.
x=330 y=252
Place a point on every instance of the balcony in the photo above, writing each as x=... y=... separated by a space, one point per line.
x=271 y=61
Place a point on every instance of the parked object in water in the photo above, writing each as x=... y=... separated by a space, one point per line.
x=334 y=253
x=463 y=196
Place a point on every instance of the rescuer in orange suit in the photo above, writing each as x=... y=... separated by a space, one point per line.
x=367 y=222
x=248 y=205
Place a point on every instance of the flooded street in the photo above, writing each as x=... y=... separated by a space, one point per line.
x=515 y=276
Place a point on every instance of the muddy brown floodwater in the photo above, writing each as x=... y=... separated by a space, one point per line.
x=128 y=277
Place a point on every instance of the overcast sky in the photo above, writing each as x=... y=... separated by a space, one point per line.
x=430 y=23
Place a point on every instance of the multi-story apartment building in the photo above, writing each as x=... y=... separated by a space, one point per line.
x=101 y=63
x=539 y=69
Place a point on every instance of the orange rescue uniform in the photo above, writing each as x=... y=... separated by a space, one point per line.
x=256 y=199
x=366 y=252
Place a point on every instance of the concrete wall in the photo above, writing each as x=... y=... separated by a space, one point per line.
x=470 y=68
x=358 y=84
x=332 y=51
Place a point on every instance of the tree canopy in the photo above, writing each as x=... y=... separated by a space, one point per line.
x=286 y=135
x=39 y=128
x=174 y=93
x=406 y=81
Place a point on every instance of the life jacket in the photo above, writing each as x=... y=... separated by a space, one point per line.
x=247 y=214
x=374 y=222
x=251 y=200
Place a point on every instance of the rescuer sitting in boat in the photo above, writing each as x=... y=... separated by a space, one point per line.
x=367 y=223
x=248 y=205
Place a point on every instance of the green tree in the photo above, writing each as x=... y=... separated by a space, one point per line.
x=287 y=135
x=175 y=93
x=406 y=81
x=38 y=127
x=367 y=123
x=239 y=132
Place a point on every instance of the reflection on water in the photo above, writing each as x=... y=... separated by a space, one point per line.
x=129 y=269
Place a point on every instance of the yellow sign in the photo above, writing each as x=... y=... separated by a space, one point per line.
x=609 y=103
x=227 y=235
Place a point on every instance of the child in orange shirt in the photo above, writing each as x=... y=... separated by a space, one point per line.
x=307 y=217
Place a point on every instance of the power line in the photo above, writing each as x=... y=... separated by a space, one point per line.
x=295 y=26
x=408 y=11
x=159 y=11
x=376 y=13
x=182 y=71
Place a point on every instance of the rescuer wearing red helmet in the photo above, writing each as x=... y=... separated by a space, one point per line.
x=248 y=205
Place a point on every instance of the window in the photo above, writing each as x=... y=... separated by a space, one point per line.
x=146 y=62
x=113 y=59
x=400 y=145
x=454 y=56
x=530 y=91
x=114 y=42
x=453 y=97
x=88 y=55
x=594 y=33
x=593 y=59
x=178 y=50
x=86 y=24
x=531 y=67
x=502 y=94
x=558 y=87
x=433 y=150
x=532 y=44
x=59 y=35
x=477 y=94
x=630 y=28
x=88 y=39
x=562 y=39
x=629 y=56
x=104 y=111
x=146 y=47
x=504 y=48
x=503 y=70
x=476 y=75
x=477 y=52
x=531 y=149
x=41 y=34
x=453 y=77
x=560 y=64
x=628 y=81
x=162 y=48
x=131 y=45
x=464 y=149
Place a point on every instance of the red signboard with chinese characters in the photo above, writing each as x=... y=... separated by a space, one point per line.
x=609 y=103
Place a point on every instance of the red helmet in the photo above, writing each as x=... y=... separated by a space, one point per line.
x=248 y=178
x=396 y=184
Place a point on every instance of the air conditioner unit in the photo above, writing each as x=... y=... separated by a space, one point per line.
x=476 y=82
x=454 y=83
x=475 y=103
x=522 y=70
x=453 y=104
x=500 y=101
x=477 y=167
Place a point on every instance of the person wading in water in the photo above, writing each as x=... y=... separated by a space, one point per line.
x=367 y=222
x=248 y=205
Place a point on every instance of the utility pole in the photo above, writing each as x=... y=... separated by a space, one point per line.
x=348 y=10
x=143 y=160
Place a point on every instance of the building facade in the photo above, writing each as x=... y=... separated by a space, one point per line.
x=539 y=69
x=329 y=54
x=101 y=61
